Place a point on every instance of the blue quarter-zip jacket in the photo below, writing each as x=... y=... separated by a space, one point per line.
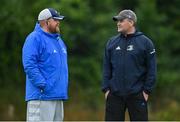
x=45 y=64
x=129 y=64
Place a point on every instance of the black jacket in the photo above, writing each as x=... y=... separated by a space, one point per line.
x=129 y=64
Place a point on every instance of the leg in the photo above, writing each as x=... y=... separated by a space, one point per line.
x=59 y=113
x=115 y=108
x=47 y=110
x=137 y=107
x=33 y=111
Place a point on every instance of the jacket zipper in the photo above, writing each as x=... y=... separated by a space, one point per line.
x=124 y=62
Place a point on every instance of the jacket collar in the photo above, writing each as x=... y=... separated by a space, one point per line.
x=38 y=28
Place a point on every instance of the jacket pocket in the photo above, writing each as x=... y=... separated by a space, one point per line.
x=113 y=85
x=49 y=86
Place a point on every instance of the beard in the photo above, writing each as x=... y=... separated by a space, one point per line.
x=57 y=29
x=54 y=29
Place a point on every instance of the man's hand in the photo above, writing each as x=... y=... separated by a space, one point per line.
x=106 y=94
x=145 y=96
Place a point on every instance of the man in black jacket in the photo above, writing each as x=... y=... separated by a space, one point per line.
x=129 y=70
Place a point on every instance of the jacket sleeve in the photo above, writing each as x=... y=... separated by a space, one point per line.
x=107 y=70
x=30 y=57
x=151 y=67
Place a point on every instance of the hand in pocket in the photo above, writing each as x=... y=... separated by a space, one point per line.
x=106 y=94
x=145 y=96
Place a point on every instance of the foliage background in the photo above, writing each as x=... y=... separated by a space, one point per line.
x=86 y=29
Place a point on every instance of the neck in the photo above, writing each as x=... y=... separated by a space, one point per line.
x=130 y=31
x=44 y=26
x=45 y=29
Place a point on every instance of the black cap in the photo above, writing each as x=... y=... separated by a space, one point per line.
x=125 y=14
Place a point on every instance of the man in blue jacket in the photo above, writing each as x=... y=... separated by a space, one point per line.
x=129 y=70
x=45 y=64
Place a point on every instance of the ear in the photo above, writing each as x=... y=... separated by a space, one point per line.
x=46 y=22
x=131 y=22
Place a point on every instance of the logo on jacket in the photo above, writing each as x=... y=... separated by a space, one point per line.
x=55 y=51
x=153 y=51
x=118 y=48
x=130 y=48
x=64 y=50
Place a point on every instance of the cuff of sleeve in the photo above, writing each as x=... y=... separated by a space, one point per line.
x=147 y=91
x=105 y=90
x=42 y=85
